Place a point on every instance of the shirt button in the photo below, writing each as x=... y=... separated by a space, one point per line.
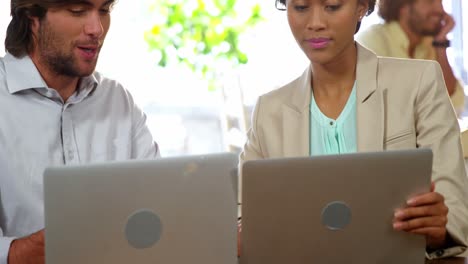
x=331 y=123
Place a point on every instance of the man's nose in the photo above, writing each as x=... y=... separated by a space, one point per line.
x=94 y=26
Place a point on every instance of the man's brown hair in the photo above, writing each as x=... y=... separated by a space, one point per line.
x=19 y=39
x=389 y=10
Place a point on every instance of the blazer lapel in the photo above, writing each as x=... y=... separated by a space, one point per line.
x=370 y=103
x=296 y=118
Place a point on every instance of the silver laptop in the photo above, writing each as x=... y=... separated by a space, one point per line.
x=332 y=209
x=171 y=210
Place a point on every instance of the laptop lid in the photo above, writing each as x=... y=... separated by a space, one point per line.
x=332 y=209
x=171 y=210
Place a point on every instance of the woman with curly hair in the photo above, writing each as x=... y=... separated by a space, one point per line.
x=350 y=100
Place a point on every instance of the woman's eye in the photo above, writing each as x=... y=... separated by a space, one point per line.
x=300 y=7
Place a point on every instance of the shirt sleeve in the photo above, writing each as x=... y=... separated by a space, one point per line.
x=438 y=129
x=458 y=98
x=5 y=243
x=143 y=144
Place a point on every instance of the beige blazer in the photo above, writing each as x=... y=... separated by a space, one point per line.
x=401 y=104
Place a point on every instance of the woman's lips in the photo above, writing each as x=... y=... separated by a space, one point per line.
x=318 y=43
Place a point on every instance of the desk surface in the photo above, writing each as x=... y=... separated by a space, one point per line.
x=448 y=261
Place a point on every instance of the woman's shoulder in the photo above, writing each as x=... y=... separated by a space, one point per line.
x=286 y=92
x=394 y=66
x=409 y=78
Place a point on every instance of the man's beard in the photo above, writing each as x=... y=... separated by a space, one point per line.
x=54 y=55
x=416 y=23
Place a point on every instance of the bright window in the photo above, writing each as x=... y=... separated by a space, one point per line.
x=184 y=116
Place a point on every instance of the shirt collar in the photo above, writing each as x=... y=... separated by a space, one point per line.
x=22 y=74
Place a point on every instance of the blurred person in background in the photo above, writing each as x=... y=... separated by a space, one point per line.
x=415 y=29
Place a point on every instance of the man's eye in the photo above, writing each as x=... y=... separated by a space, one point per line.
x=332 y=7
x=105 y=11
x=76 y=12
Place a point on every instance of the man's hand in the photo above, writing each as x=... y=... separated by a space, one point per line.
x=426 y=215
x=448 y=23
x=28 y=250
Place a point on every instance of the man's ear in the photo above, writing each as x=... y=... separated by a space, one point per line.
x=35 y=24
x=35 y=27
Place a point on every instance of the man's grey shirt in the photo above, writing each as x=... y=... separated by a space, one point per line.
x=99 y=122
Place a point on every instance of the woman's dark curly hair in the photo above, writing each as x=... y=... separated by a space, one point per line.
x=280 y=4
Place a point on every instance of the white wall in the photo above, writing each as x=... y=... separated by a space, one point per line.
x=4 y=20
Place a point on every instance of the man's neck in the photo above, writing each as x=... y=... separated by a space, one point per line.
x=64 y=85
x=414 y=38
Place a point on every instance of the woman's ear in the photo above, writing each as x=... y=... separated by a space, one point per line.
x=363 y=7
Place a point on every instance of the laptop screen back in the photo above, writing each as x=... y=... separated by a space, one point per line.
x=332 y=209
x=172 y=210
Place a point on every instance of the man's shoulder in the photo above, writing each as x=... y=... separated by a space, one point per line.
x=374 y=30
x=107 y=84
x=3 y=85
x=105 y=81
x=110 y=87
x=382 y=39
x=2 y=67
x=379 y=27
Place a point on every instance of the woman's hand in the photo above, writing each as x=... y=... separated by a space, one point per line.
x=239 y=231
x=425 y=214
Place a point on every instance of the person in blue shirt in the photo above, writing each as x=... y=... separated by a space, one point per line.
x=56 y=110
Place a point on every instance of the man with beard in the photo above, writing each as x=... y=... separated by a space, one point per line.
x=415 y=29
x=56 y=110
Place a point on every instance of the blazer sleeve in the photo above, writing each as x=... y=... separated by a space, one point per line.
x=437 y=128
x=252 y=148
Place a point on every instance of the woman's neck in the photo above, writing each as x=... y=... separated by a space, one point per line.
x=333 y=82
x=335 y=78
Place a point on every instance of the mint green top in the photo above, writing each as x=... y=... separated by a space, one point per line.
x=329 y=136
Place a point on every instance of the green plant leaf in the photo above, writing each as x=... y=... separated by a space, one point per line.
x=206 y=33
